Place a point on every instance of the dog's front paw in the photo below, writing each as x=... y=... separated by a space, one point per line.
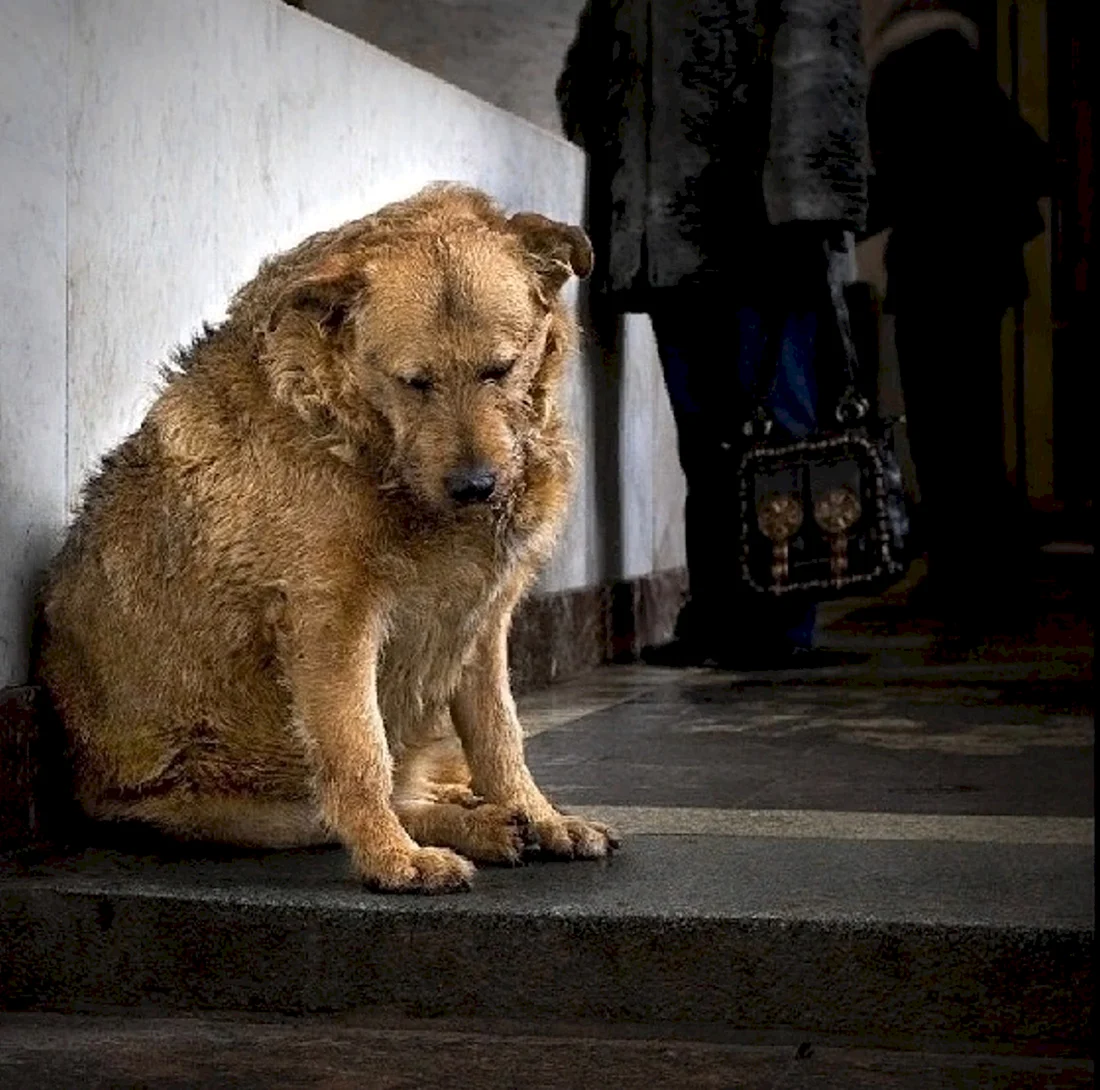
x=420 y=870
x=567 y=837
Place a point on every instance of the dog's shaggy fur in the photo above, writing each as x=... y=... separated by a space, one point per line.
x=292 y=586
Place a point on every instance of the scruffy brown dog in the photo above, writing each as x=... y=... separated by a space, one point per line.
x=292 y=586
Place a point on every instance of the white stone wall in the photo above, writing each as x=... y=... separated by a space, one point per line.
x=34 y=43
x=151 y=153
x=508 y=52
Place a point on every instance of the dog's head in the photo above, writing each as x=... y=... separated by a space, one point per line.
x=433 y=332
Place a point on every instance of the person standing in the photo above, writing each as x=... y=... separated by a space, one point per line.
x=727 y=149
x=958 y=175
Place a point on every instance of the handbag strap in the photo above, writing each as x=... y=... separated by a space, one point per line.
x=852 y=406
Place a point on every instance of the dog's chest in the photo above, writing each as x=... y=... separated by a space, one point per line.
x=439 y=609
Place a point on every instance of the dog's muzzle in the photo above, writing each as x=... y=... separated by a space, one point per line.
x=471 y=484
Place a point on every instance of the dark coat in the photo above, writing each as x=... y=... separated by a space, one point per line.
x=707 y=122
x=958 y=176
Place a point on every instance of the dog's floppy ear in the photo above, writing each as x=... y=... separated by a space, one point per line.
x=325 y=299
x=557 y=251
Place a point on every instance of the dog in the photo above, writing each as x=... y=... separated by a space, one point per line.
x=281 y=615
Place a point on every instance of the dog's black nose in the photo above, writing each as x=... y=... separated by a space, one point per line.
x=471 y=484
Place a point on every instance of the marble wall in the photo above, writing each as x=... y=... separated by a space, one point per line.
x=508 y=52
x=34 y=43
x=158 y=151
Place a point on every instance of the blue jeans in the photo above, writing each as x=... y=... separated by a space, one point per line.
x=712 y=355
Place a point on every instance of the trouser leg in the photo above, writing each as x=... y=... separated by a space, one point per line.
x=951 y=376
x=710 y=357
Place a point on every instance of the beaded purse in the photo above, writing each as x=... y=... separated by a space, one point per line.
x=824 y=516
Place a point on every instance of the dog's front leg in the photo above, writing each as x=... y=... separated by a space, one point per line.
x=331 y=666
x=485 y=717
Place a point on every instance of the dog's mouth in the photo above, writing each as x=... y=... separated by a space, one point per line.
x=480 y=511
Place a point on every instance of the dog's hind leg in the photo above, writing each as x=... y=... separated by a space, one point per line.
x=433 y=800
x=246 y=822
x=435 y=770
x=485 y=833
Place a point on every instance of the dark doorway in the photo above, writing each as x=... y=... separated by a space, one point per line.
x=1072 y=44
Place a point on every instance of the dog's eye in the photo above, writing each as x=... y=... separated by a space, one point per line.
x=421 y=383
x=497 y=372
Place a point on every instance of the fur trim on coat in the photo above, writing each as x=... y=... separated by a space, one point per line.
x=958 y=173
x=889 y=25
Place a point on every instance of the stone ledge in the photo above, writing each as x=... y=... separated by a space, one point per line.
x=555 y=636
x=35 y=786
x=699 y=931
x=18 y=759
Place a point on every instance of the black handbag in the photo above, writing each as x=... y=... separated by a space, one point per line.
x=823 y=516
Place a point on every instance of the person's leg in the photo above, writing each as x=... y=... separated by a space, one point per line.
x=951 y=375
x=700 y=376
x=711 y=397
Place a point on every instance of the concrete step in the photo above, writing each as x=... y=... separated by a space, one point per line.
x=56 y=1052
x=894 y=861
x=890 y=941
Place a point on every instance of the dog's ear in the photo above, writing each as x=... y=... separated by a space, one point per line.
x=326 y=300
x=557 y=251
